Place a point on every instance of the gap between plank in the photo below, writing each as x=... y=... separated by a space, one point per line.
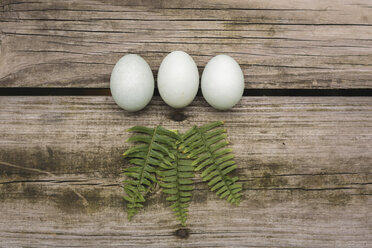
x=247 y=92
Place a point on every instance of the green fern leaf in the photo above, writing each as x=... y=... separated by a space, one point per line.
x=206 y=145
x=176 y=181
x=155 y=150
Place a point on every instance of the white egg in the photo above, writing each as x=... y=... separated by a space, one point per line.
x=132 y=83
x=178 y=79
x=222 y=82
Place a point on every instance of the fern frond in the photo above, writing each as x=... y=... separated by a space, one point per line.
x=177 y=183
x=155 y=149
x=206 y=145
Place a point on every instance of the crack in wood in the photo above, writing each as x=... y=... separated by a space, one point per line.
x=85 y=202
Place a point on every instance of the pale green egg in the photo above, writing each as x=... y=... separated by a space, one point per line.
x=178 y=79
x=132 y=83
x=222 y=82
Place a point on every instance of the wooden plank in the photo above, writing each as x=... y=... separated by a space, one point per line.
x=305 y=163
x=279 y=44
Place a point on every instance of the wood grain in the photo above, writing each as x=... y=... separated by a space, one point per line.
x=279 y=44
x=305 y=163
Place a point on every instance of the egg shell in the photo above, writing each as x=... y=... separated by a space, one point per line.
x=132 y=83
x=222 y=82
x=178 y=79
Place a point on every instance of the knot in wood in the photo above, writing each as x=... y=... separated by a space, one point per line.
x=178 y=116
x=182 y=233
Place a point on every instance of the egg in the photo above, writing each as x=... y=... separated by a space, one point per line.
x=222 y=82
x=178 y=79
x=132 y=83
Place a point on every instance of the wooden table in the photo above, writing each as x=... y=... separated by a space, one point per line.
x=305 y=161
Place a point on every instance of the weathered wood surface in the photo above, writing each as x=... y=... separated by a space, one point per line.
x=279 y=44
x=305 y=163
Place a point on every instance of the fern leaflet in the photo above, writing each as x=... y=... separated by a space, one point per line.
x=154 y=150
x=206 y=146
